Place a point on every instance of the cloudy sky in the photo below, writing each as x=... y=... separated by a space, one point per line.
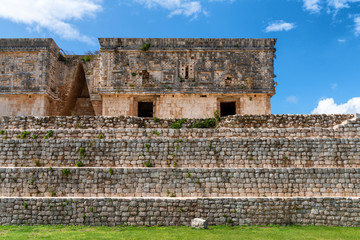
x=318 y=48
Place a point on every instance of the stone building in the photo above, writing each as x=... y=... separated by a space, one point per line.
x=166 y=78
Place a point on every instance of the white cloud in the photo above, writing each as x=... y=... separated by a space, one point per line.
x=53 y=15
x=357 y=25
x=341 y=40
x=176 y=7
x=292 y=99
x=279 y=25
x=312 y=5
x=339 y=4
x=188 y=8
x=328 y=106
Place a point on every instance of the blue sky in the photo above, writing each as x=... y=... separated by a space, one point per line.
x=318 y=48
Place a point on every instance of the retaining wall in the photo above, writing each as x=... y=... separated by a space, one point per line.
x=233 y=152
x=180 y=182
x=172 y=212
x=345 y=131
x=237 y=121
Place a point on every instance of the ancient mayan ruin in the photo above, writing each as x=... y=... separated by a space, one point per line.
x=74 y=150
x=166 y=78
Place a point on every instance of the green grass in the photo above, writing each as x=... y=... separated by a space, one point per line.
x=214 y=232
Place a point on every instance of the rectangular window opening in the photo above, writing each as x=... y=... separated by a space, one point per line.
x=227 y=108
x=145 y=109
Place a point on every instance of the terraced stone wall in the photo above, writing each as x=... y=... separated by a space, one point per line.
x=237 y=121
x=172 y=212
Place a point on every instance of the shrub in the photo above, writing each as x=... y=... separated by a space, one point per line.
x=111 y=171
x=147 y=145
x=217 y=117
x=82 y=152
x=148 y=164
x=178 y=124
x=34 y=136
x=25 y=205
x=79 y=164
x=24 y=134
x=50 y=133
x=86 y=59
x=156 y=119
x=207 y=123
x=145 y=47
x=100 y=136
x=133 y=74
x=2 y=132
x=66 y=172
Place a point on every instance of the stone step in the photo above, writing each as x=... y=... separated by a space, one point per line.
x=161 y=133
x=237 y=121
x=180 y=211
x=179 y=182
x=231 y=152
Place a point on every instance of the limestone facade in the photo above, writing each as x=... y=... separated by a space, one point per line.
x=164 y=78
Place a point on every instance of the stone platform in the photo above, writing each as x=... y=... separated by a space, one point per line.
x=253 y=170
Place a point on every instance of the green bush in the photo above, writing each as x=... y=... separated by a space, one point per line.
x=145 y=46
x=178 y=124
x=148 y=164
x=66 y=172
x=79 y=164
x=86 y=58
x=24 y=134
x=207 y=123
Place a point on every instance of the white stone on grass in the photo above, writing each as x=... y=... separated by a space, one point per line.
x=199 y=223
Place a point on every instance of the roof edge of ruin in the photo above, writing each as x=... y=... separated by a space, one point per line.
x=28 y=44
x=186 y=43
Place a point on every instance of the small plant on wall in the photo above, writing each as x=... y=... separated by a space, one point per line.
x=145 y=47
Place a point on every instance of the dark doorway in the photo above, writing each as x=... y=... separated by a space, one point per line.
x=227 y=108
x=145 y=109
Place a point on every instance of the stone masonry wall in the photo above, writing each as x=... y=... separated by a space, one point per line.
x=140 y=133
x=170 y=212
x=180 y=182
x=252 y=170
x=212 y=65
x=247 y=121
x=233 y=152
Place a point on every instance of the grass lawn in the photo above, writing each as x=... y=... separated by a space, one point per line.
x=158 y=233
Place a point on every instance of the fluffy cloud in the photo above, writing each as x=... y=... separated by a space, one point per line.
x=312 y=6
x=333 y=7
x=188 y=8
x=328 y=106
x=176 y=7
x=51 y=14
x=357 y=25
x=315 y=6
x=280 y=25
